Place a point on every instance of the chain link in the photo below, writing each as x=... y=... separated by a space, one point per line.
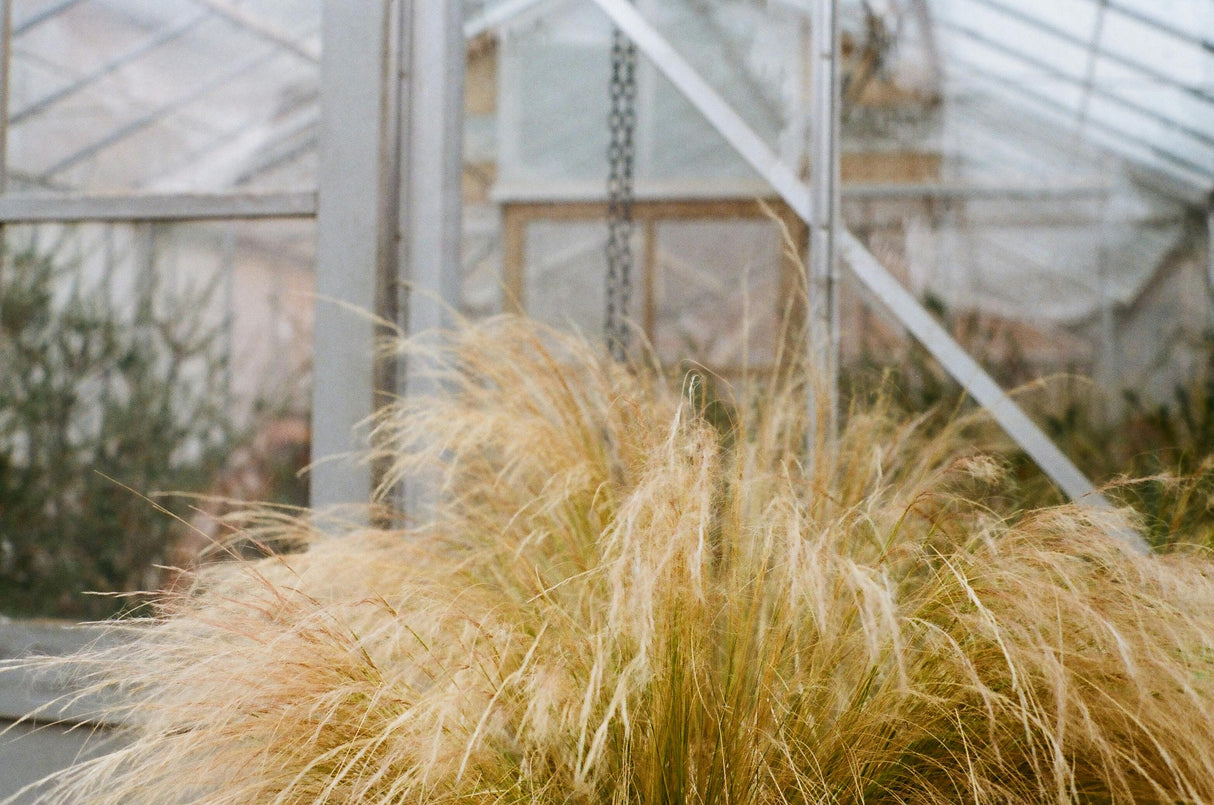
x=621 y=153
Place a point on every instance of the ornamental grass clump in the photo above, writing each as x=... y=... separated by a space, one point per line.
x=615 y=600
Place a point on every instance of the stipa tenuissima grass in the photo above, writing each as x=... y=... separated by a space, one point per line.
x=615 y=601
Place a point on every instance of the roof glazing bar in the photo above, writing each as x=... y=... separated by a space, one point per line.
x=259 y=28
x=1054 y=72
x=1121 y=134
x=39 y=17
x=112 y=65
x=1066 y=36
x=215 y=157
x=278 y=160
x=1089 y=70
x=1158 y=25
x=137 y=125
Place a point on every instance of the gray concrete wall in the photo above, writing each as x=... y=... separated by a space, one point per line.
x=29 y=752
x=61 y=734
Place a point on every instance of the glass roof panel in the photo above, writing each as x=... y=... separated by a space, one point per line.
x=555 y=85
x=215 y=94
x=171 y=95
x=1131 y=76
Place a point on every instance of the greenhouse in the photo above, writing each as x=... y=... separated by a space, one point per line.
x=351 y=259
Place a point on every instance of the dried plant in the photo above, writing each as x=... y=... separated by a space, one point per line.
x=615 y=601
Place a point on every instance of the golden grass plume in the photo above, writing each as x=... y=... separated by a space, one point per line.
x=617 y=601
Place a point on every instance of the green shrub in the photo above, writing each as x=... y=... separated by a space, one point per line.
x=100 y=404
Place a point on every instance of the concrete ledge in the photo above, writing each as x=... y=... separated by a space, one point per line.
x=67 y=727
x=52 y=695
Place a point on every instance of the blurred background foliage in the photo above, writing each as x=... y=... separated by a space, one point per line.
x=1156 y=457
x=104 y=404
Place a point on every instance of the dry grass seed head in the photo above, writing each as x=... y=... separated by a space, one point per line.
x=616 y=601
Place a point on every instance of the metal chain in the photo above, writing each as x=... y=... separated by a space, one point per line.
x=620 y=158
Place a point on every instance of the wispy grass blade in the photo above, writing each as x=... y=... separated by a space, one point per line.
x=620 y=600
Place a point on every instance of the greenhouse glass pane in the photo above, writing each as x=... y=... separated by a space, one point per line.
x=555 y=96
x=139 y=360
x=1130 y=76
x=565 y=275
x=718 y=294
x=171 y=95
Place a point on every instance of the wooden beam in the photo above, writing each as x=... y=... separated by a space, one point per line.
x=515 y=220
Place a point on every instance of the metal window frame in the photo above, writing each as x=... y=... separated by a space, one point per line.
x=28 y=208
x=345 y=339
x=1090 y=89
x=388 y=192
x=353 y=190
x=389 y=197
x=863 y=265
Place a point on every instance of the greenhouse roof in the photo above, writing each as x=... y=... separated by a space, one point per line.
x=1135 y=77
x=170 y=95
x=111 y=95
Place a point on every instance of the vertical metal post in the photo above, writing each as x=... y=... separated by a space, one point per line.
x=227 y=257
x=1107 y=373
x=432 y=132
x=355 y=220
x=147 y=282
x=430 y=218
x=1210 y=264
x=794 y=137
x=6 y=50
x=645 y=137
x=1089 y=73
x=824 y=220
